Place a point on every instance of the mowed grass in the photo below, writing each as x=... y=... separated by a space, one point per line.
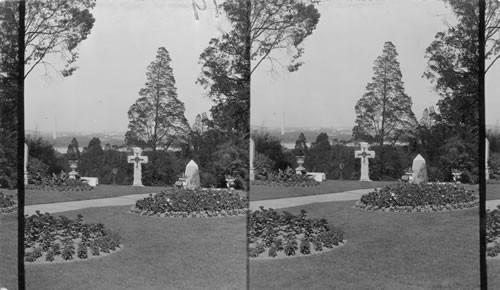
x=493 y=268
x=8 y=250
x=383 y=251
x=261 y=192
x=159 y=253
x=492 y=191
x=100 y=191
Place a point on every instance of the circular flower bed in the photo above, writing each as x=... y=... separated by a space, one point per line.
x=7 y=203
x=287 y=178
x=279 y=235
x=493 y=232
x=192 y=203
x=58 y=239
x=407 y=197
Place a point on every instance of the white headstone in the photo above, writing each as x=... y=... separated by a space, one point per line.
x=419 y=169
x=487 y=156
x=364 y=154
x=252 y=157
x=192 y=174
x=137 y=160
x=26 y=164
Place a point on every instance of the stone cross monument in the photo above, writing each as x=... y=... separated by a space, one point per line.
x=137 y=159
x=364 y=154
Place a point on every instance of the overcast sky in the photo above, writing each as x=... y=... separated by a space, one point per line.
x=338 y=57
x=113 y=61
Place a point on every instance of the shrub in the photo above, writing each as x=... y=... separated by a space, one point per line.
x=209 y=201
x=287 y=178
x=493 y=232
x=431 y=196
x=60 y=182
x=57 y=236
x=6 y=200
x=268 y=229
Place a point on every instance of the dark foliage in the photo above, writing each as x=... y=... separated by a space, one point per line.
x=419 y=195
x=57 y=236
x=281 y=232
x=493 y=232
x=191 y=201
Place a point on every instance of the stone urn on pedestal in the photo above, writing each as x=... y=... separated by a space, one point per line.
x=457 y=175
x=230 y=182
x=73 y=164
x=300 y=161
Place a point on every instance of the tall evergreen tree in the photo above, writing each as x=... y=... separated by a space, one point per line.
x=157 y=118
x=301 y=145
x=384 y=112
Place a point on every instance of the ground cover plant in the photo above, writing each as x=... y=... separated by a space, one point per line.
x=191 y=250
x=286 y=178
x=263 y=192
x=278 y=234
x=407 y=197
x=193 y=203
x=428 y=251
x=493 y=232
x=60 y=182
x=48 y=238
x=7 y=203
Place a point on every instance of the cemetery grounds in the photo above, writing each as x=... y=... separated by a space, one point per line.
x=417 y=250
x=158 y=253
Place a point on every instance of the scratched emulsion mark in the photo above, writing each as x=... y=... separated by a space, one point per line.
x=203 y=7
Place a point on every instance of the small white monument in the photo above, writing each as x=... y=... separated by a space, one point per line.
x=137 y=159
x=192 y=174
x=419 y=169
x=252 y=157
x=364 y=154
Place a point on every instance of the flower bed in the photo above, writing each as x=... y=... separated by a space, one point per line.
x=7 y=203
x=60 y=182
x=287 y=178
x=493 y=232
x=278 y=235
x=192 y=203
x=57 y=239
x=405 y=197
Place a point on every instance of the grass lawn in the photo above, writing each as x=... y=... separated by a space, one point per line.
x=8 y=250
x=493 y=267
x=261 y=192
x=100 y=191
x=159 y=253
x=492 y=191
x=383 y=251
